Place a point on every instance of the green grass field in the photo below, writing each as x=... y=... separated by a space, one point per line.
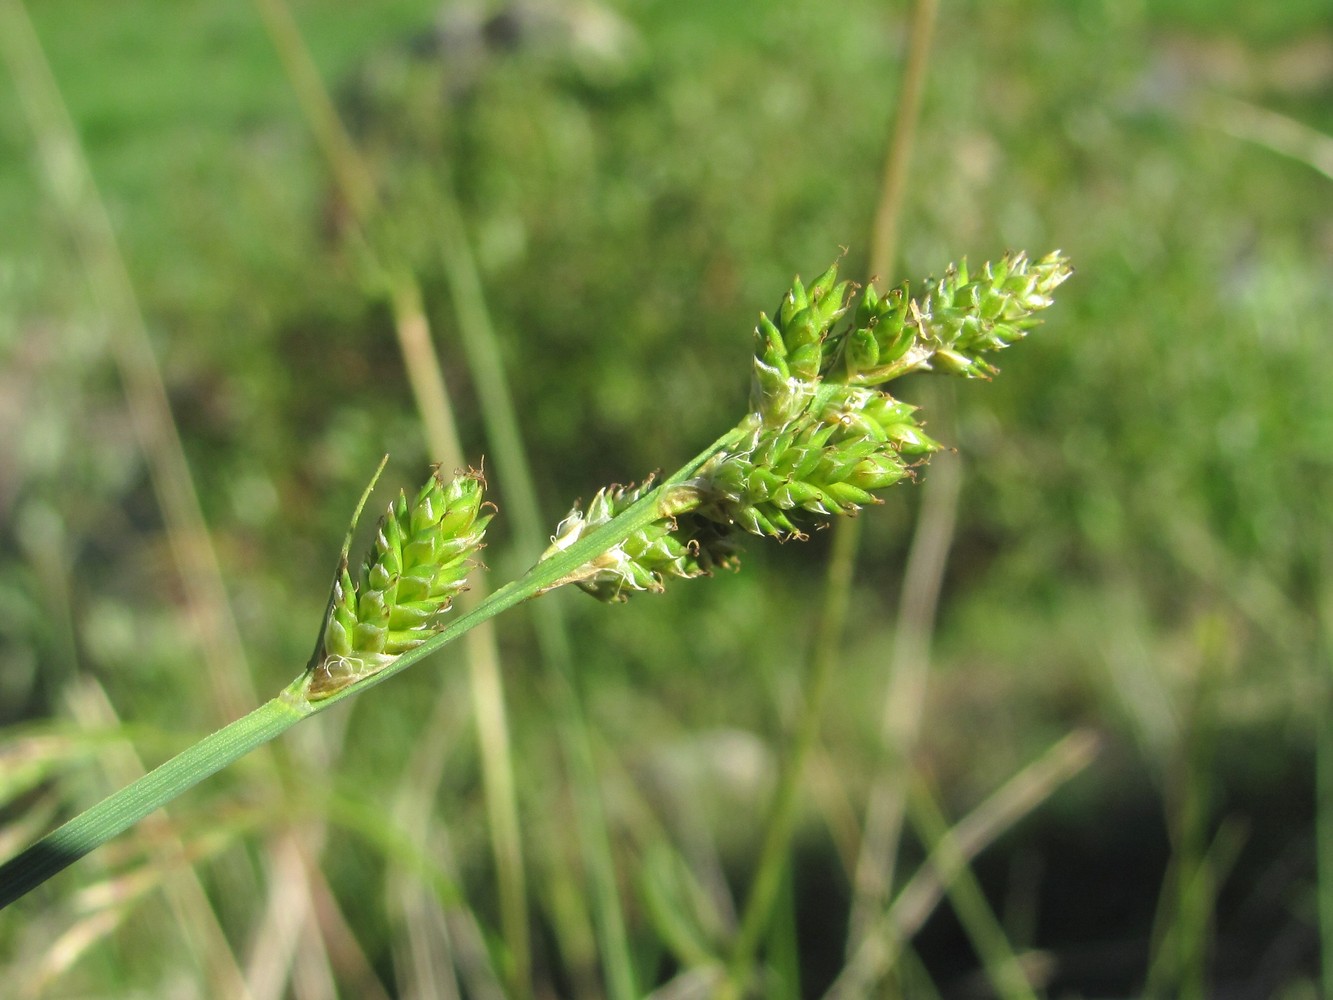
x=203 y=334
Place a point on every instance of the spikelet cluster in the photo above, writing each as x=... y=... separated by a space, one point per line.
x=422 y=553
x=792 y=349
x=950 y=326
x=681 y=546
x=821 y=439
x=829 y=460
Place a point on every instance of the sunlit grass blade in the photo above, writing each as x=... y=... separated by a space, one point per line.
x=1324 y=840
x=193 y=915
x=884 y=940
x=904 y=699
x=73 y=187
x=1001 y=965
x=783 y=950
x=435 y=410
x=481 y=345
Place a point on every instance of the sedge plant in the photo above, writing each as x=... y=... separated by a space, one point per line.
x=821 y=439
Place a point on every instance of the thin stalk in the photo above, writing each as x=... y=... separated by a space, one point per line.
x=695 y=860
x=828 y=786
x=969 y=902
x=914 y=979
x=425 y=375
x=1180 y=968
x=886 y=939
x=357 y=185
x=782 y=812
x=1018 y=797
x=355 y=972
x=274 y=952
x=842 y=557
x=480 y=344
x=595 y=844
x=1179 y=962
x=497 y=763
x=904 y=701
x=354 y=179
x=73 y=188
x=122 y=809
x=477 y=334
x=1323 y=775
x=1270 y=130
x=873 y=877
x=424 y=959
x=568 y=914
x=783 y=948
x=185 y=894
x=436 y=412
x=1324 y=839
x=312 y=973
x=884 y=242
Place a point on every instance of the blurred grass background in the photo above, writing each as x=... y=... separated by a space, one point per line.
x=1142 y=548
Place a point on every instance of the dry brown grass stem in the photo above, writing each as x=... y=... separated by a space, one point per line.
x=72 y=187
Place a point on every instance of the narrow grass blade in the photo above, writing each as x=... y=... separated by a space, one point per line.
x=885 y=941
x=904 y=700
x=436 y=413
x=481 y=346
x=884 y=241
x=979 y=921
x=118 y=812
x=1324 y=841
x=73 y=188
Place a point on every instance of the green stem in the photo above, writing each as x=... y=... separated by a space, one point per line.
x=123 y=808
x=476 y=332
x=422 y=364
x=436 y=412
x=1323 y=772
x=873 y=875
x=119 y=811
x=545 y=575
x=1324 y=839
x=782 y=813
x=893 y=185
x=354 y=181
x=477 y=335
x=983 y=929
x=595 y=843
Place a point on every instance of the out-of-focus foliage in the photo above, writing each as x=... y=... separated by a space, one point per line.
x=1144 y=542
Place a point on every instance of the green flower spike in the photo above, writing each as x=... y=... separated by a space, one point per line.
x=790 y=353
x=956 y=320
x=826 y=462
x=821 y=440
x=420 y=559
